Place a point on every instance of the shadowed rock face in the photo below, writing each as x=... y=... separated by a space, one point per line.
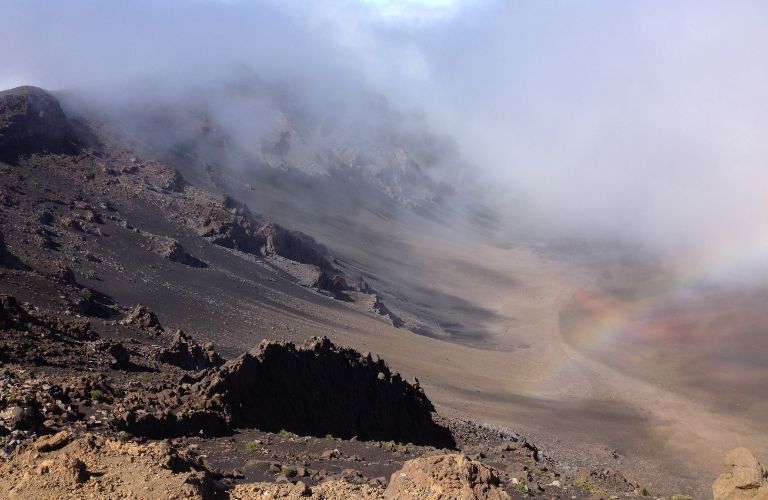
x=7 y=259
x=316 y=389
x=31 y=121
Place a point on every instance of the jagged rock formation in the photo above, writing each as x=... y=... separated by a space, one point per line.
x=379 y=308
x=316 y=389
x=744 y=478
x=188 y=354
x=31 y=121
x=230 y=224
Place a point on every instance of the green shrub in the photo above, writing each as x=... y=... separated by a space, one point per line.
x=288 y=471
x=252 y=446
x=97 y=394
x=586 y=486
x=522 y=486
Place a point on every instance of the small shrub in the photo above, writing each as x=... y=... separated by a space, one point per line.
x=522 y=486
x=123 y=436
x=97 y=394
x=287 y=434
x=329 y=436
x=252 y=446
x=586 y=486
x=644 y=492
x=288 y=471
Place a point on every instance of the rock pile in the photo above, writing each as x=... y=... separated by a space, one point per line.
x=96 y=467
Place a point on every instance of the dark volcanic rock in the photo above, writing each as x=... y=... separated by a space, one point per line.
x=379 y=308
x=189 y=355
x=121 y=356
x=7 y=259
x=31 y=121
x=316 y=389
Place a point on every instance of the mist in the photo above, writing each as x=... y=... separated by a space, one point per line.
x=642 y=121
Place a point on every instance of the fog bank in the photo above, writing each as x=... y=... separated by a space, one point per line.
x=639 y=120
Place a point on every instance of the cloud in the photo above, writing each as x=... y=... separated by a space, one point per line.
x=641 y=120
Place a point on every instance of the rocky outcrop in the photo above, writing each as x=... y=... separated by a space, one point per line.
x=141 y=317
x=453 y=476
x=382 y=310
x=315 y=389
x=231 y=224
x=188 y=354
x=293 y=245
x=744 y=478
x=32 y=121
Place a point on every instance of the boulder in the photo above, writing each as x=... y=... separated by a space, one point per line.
x=453 y=476
x=170 y=249
x=744 y=478
x=141 y=317
x=121 y=358
x=50 y=443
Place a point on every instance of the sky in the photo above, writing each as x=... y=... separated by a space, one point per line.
x=644 y=119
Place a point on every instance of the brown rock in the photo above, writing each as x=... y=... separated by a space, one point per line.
x=143 y=318
x=744 y=478
x=439 y=477
x=51 y=443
